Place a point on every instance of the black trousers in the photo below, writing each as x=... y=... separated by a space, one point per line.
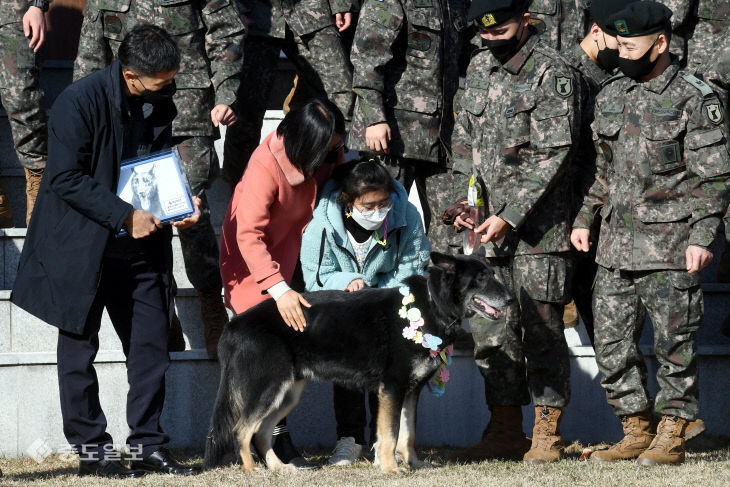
x=133 y=292
x=351 y=416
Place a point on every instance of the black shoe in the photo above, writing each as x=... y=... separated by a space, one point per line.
x=287 y=453
x=162 y=462
x=110 y=469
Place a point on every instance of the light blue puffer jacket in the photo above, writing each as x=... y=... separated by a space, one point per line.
x=405 y=253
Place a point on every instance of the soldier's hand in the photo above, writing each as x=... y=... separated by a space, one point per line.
x=192 y=219
x=496 y=228
x=462 y=221
x=343 y=21
x=377 y=137
x=34 y=27
x=580 y=238
x=141 y=223
x=697 y=258
x=223 y=114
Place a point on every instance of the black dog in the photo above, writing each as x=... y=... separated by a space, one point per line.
x=352 y=339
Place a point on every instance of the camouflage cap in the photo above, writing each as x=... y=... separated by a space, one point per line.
x=641 y=18
x=601 y=11
x=490 y=13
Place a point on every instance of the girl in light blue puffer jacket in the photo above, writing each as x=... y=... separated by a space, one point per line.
x=363 y=232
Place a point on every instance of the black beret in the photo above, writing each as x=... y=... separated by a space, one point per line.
x=490 y=13
x=641 y=18
x=601 y=11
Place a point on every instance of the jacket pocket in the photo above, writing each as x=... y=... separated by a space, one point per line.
x=712 y=156
x=547 y=7
x=517 y=120
x=664 y=212
x=112 y=20
x=547 y=277
x=180 y=17
x=424 y=33
x=549 y=125
x=663 y=147
x=415 y=103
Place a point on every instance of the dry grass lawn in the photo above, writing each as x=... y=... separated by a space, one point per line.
x=708 y=464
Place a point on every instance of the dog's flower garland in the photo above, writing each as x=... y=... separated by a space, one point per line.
x=437 y=385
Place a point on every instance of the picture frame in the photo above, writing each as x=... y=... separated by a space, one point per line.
x=157 y=183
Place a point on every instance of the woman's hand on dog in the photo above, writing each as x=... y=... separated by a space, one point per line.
x=355 y=285
x=290 y=307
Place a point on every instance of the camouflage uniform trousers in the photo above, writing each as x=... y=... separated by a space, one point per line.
x=322 y=65
x=199 y=242
x=437 y=188
x=22 y=96
x=673 y=299
x=526 y=347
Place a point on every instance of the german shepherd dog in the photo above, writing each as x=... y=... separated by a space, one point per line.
x=352 y=339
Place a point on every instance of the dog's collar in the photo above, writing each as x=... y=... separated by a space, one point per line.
x=437 y=385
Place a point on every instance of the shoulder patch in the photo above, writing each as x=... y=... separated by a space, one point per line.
x=697 y=83
x=564 y=86
x=713 y=111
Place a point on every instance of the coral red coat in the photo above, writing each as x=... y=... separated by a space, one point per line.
x=262 y=229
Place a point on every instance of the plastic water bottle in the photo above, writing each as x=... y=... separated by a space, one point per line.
x=477 y=214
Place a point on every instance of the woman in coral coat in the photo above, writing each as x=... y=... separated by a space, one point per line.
x=271 y=206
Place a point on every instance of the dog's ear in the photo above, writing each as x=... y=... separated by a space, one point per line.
x=444 y=261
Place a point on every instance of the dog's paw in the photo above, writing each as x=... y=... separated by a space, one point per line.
x=285 y=468
x=398 y=470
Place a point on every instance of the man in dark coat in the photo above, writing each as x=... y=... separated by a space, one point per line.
x=73 y=264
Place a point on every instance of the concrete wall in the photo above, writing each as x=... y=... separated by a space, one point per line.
x=30 y=418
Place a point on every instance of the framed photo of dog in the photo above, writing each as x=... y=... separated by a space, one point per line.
x=156 y=183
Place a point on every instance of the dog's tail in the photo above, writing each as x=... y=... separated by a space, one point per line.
x=221 y=440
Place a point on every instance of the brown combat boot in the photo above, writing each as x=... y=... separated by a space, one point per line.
x=503 y=438
x=668 y=445
x=637 y=438
x=32 y=185
x=570 y=315
x=694 y=429
x=547 y=445
x=175 y=338
x=6 y=213
x=214 y=317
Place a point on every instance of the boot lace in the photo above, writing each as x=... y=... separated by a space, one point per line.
x=665 y=434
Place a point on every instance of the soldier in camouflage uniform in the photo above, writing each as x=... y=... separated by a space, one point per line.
x=662 y=187
x=518 y=122
x=565 y=21
x=305 y=31
x=405 y=77
x=22 y=32
x=712 y=22
x=210 y=35
x=595 y=59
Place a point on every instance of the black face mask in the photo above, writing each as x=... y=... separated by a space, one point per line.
x=161 y=95
x=504 y=49
x=638 y=68
x=607 y=58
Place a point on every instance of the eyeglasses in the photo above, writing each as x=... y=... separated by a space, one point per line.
x=384 y=209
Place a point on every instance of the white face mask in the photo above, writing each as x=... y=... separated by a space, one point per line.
x=371 y=219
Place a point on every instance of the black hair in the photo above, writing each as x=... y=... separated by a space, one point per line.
x=307 y=131
x=148 y=50
x=359 y=177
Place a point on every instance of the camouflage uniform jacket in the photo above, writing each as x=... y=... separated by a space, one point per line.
x=565 y=21
x=516 y=126
x=591 y=78
x=717 y=10
x=662 y=171
x=406 y=73
x=269 y=18
x=209 y=34
x=13 y=11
